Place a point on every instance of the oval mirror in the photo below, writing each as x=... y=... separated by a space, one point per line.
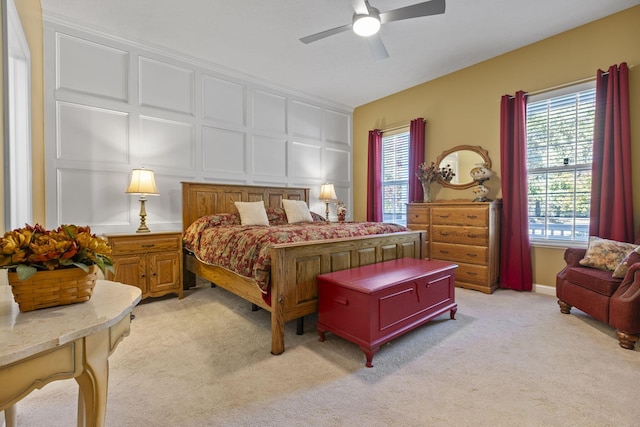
x=461 y=160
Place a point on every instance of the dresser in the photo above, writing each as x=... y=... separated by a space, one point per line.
x=466 y=233
x=150 y=261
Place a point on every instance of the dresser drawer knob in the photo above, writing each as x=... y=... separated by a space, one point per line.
x=471 y=235
x=444 y=252
x=471 y=273
x=150 y=245
x=444 y=216
x=472 y=216
x=444 y=233
x=472 y=255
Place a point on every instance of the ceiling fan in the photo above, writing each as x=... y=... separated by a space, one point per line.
x=367 y=21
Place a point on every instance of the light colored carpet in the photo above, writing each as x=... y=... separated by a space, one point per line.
x=508 y=359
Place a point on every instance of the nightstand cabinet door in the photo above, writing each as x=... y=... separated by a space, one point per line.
x=131 y=270
x=164 y=271
x=150 y=261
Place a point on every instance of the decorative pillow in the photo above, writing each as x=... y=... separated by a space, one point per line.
x=297 y=211
x=317 y=217
x=252 y=213
x=276 y=216
x=605 y=254
x=631 y=258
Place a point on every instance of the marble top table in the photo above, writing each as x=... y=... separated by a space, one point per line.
x=70 y=341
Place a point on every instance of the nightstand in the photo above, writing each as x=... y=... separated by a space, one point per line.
x=150 y=261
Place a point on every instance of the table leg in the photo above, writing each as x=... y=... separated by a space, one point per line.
x=93 y=382
x=11 y=416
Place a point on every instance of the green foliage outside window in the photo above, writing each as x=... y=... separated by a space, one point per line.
x=559 y=157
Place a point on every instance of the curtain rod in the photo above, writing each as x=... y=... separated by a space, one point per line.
x=398 y=126
x=576 y=82
x=573 y=83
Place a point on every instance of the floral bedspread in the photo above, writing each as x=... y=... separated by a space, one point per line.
x=221 y=240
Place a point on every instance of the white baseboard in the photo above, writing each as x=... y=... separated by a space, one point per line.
x=544 y=289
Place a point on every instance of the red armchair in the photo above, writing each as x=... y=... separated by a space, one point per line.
x=597 y=293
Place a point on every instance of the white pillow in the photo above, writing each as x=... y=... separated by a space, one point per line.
x=297 y=211
x=252 y=213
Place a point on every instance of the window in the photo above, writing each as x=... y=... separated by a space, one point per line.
x=17 y=131
x=559 y=156
x=395 y=177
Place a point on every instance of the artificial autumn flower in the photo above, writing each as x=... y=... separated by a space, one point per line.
x=32 y=248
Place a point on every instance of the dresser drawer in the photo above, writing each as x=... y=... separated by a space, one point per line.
x=477 y=274
x=122 y=246
x=460 y=253
x=478 y=236
x=470 y=216
x=417 y=214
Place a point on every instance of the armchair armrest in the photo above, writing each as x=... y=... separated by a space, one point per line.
x=624 y=310
x=572 y=256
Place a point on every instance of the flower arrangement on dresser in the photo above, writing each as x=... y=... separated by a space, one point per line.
x=427 y=174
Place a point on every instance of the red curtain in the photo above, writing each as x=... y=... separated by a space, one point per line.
x=611 y=198
x=416 y=156
x=374 y=177
x=515 y=251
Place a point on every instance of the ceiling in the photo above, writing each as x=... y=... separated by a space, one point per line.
x=260 y=38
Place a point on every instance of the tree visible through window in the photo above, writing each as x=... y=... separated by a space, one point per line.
x=395 y=177
x=559 y=157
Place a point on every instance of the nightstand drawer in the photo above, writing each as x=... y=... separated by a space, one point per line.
x=148 y=244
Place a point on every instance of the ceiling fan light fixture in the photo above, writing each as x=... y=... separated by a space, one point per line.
x=366 y=25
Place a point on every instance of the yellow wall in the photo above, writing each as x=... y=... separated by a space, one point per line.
x=30 y=13
x=463 y=107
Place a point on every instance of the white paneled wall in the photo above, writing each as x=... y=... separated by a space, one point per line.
x=112 y=105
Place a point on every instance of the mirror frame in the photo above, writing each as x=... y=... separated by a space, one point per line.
x=476 y=149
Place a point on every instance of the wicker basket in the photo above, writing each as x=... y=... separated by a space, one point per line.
x=52 y=288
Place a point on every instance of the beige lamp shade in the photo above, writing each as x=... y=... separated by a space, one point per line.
x=327 y=192
x=142 y=182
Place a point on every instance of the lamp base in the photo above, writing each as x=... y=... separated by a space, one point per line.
x=143 y=229
x=143 y=217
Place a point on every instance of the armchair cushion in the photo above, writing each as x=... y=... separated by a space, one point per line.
x=595 y=280
x=606 y=254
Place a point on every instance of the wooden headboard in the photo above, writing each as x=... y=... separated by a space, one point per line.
x=201 y=198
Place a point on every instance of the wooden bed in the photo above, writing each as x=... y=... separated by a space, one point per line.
x=294 y=266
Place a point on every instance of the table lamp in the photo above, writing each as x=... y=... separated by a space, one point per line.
x=327 y=193
x=142 y=183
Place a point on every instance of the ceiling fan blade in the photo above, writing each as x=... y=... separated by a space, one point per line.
x=378 y=50
x=359 y=6
x=433 y=7
x=326 y=33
